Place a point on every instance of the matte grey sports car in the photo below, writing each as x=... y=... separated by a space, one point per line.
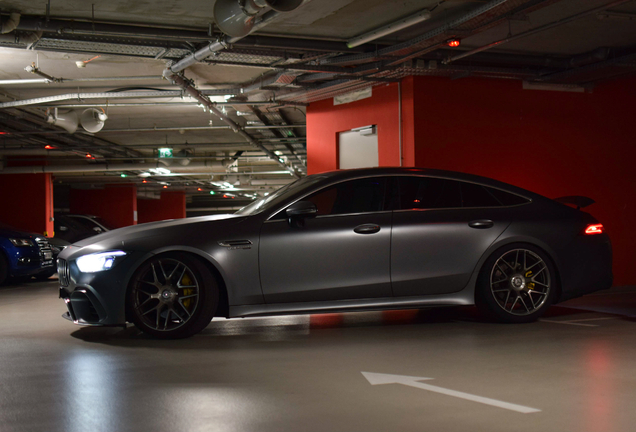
x=385 y=238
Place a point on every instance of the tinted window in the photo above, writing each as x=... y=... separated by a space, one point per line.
x=507 y=199
x=428 y=193
x=356 y=196
x=474 y=195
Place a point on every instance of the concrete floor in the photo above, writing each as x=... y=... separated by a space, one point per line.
x=303 y=373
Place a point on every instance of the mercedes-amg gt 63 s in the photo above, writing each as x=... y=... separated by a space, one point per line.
x=381 y=238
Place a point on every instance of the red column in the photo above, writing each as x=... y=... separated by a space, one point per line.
x=26 y=202
x=116 y=204
x=171 y=205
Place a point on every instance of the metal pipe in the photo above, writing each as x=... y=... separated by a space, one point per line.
x=34 y=23
x=164 y=129
x=361 y=58
x=150 y=104
x=218 y=45
x=10 y=24
x=109 y=167
x=533 y=31
x=187 y=86
x=112 y=95
x=388 y=29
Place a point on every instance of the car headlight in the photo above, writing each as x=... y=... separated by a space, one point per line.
x=97 y=262
x=21 y=242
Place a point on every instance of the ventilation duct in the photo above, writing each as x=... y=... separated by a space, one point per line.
x=9 y=24
x=237 y=17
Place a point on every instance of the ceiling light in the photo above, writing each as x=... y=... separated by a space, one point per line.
x=453 y=42
x=160 y=171
x=389 y=28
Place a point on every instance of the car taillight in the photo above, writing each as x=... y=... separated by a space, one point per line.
x=594 y=229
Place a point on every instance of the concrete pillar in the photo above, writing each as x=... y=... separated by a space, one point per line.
x=171 y=205
x=26 y=202
x=116 y=204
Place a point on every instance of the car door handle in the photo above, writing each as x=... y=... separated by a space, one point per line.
x=481 y=224
x=367 y=229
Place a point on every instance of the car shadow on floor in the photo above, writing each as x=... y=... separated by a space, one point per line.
x=295 y=327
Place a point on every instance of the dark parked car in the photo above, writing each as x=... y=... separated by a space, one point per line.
x=23 y=255
x=343 y=241
x=74 y=227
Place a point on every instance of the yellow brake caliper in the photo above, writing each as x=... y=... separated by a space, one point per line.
x=186 y=281
x=528 y=275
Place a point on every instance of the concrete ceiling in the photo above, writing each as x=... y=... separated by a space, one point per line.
x=298 y=57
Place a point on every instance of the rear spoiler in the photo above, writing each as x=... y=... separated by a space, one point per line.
x=575 y=200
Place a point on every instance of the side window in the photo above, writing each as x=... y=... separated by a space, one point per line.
x=428 y=193
x=507 y=199
x=355 y=196
x=474 y=195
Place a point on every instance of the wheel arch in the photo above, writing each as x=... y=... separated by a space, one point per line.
x=208 y=261
x=544 y=247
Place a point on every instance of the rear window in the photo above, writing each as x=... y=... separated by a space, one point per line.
x=437 y=193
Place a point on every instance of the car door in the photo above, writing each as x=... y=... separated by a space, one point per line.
x=440 y=230
x=343 y=252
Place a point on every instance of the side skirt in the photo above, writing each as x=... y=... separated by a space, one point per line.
x=243 y=311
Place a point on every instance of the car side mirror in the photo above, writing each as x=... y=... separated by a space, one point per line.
x=301 y=209
x=97 y=230
x=298 y=212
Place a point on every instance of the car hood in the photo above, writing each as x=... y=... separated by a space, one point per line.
x=150 y=235
x=9 y=232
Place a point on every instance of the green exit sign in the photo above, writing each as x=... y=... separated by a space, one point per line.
x=165 y=152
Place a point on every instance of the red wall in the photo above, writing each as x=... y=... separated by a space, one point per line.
x=171 y=205
x=553 y=143
x=116 y=204
x=324 y=121
x=26 y=202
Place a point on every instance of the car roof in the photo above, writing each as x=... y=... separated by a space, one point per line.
x=338 y=175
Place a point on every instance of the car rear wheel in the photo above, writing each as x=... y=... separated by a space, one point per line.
x=516 y=284
x=172 y=296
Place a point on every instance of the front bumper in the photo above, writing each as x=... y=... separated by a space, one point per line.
x=96 y=299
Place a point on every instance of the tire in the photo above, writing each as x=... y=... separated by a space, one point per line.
x=516 y=284
x=172 y=296
x=4 y=269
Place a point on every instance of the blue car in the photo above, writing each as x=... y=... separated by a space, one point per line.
x=24 y=255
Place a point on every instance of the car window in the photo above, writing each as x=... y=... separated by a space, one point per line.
x=428 y=193
x=507 y=199
x=354 y=196
x=281 y=194
x=432 y=193
x=474 y=195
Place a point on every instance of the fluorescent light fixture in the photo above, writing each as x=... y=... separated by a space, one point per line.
x=388 y=29
x=160 y=171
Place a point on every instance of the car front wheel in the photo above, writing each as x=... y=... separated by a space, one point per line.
x=172 y=296
x=516 y=284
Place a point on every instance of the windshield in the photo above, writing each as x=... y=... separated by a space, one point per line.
x=281 y=194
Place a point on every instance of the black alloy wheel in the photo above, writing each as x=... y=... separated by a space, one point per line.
x=172 y=296
x=517 y=284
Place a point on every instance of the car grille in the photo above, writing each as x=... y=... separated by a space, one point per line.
x=46 y=254
x=63 y=272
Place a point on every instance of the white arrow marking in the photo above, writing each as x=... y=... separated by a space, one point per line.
x=377 y=379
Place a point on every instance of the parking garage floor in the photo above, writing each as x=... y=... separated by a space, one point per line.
x=429 y=370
